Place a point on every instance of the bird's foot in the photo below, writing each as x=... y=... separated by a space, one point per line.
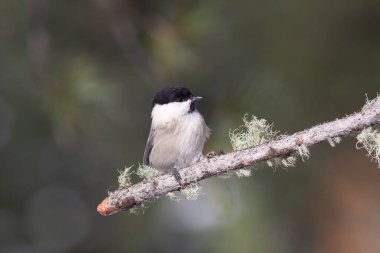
x=212 y=154
x=177 y=176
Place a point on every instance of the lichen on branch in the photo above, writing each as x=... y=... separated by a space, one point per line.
x=255 y=131
x=369 y=139
x=270 y=147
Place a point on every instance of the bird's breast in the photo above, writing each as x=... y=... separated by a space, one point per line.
x=180 y=144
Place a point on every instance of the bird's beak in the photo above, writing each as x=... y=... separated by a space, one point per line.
x=195 y=98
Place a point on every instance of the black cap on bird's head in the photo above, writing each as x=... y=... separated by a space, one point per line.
x=174 y=94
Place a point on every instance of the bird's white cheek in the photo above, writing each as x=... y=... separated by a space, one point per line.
x=167 y=115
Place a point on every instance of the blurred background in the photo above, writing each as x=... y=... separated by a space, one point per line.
x=76 y=82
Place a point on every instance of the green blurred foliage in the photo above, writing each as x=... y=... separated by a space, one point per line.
x=76 y=81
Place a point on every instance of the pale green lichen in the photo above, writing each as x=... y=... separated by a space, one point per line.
x=253 y=132
x=226 y=175
x=289 y=161
x=369 y=102
x=282 y=162
x=303 y=152
x=369 y=139
x=274 y=162
x=244 y=172
x=270 y=163
x=337 y=140
x=192 y=191
x=257 y=131
x=124 y=178
x=143 y=171
x=147 y=172
x=173 y=196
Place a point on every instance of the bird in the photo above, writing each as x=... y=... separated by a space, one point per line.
x=178 y=131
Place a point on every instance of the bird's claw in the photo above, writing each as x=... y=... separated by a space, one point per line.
x=176 y=175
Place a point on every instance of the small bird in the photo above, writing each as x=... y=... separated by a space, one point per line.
x=178 y=131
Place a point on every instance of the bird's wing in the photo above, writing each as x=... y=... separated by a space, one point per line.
x=148 y=148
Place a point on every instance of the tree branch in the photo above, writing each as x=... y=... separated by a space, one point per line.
x=137 y=194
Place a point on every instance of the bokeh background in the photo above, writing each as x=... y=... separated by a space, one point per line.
x=76 y=82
